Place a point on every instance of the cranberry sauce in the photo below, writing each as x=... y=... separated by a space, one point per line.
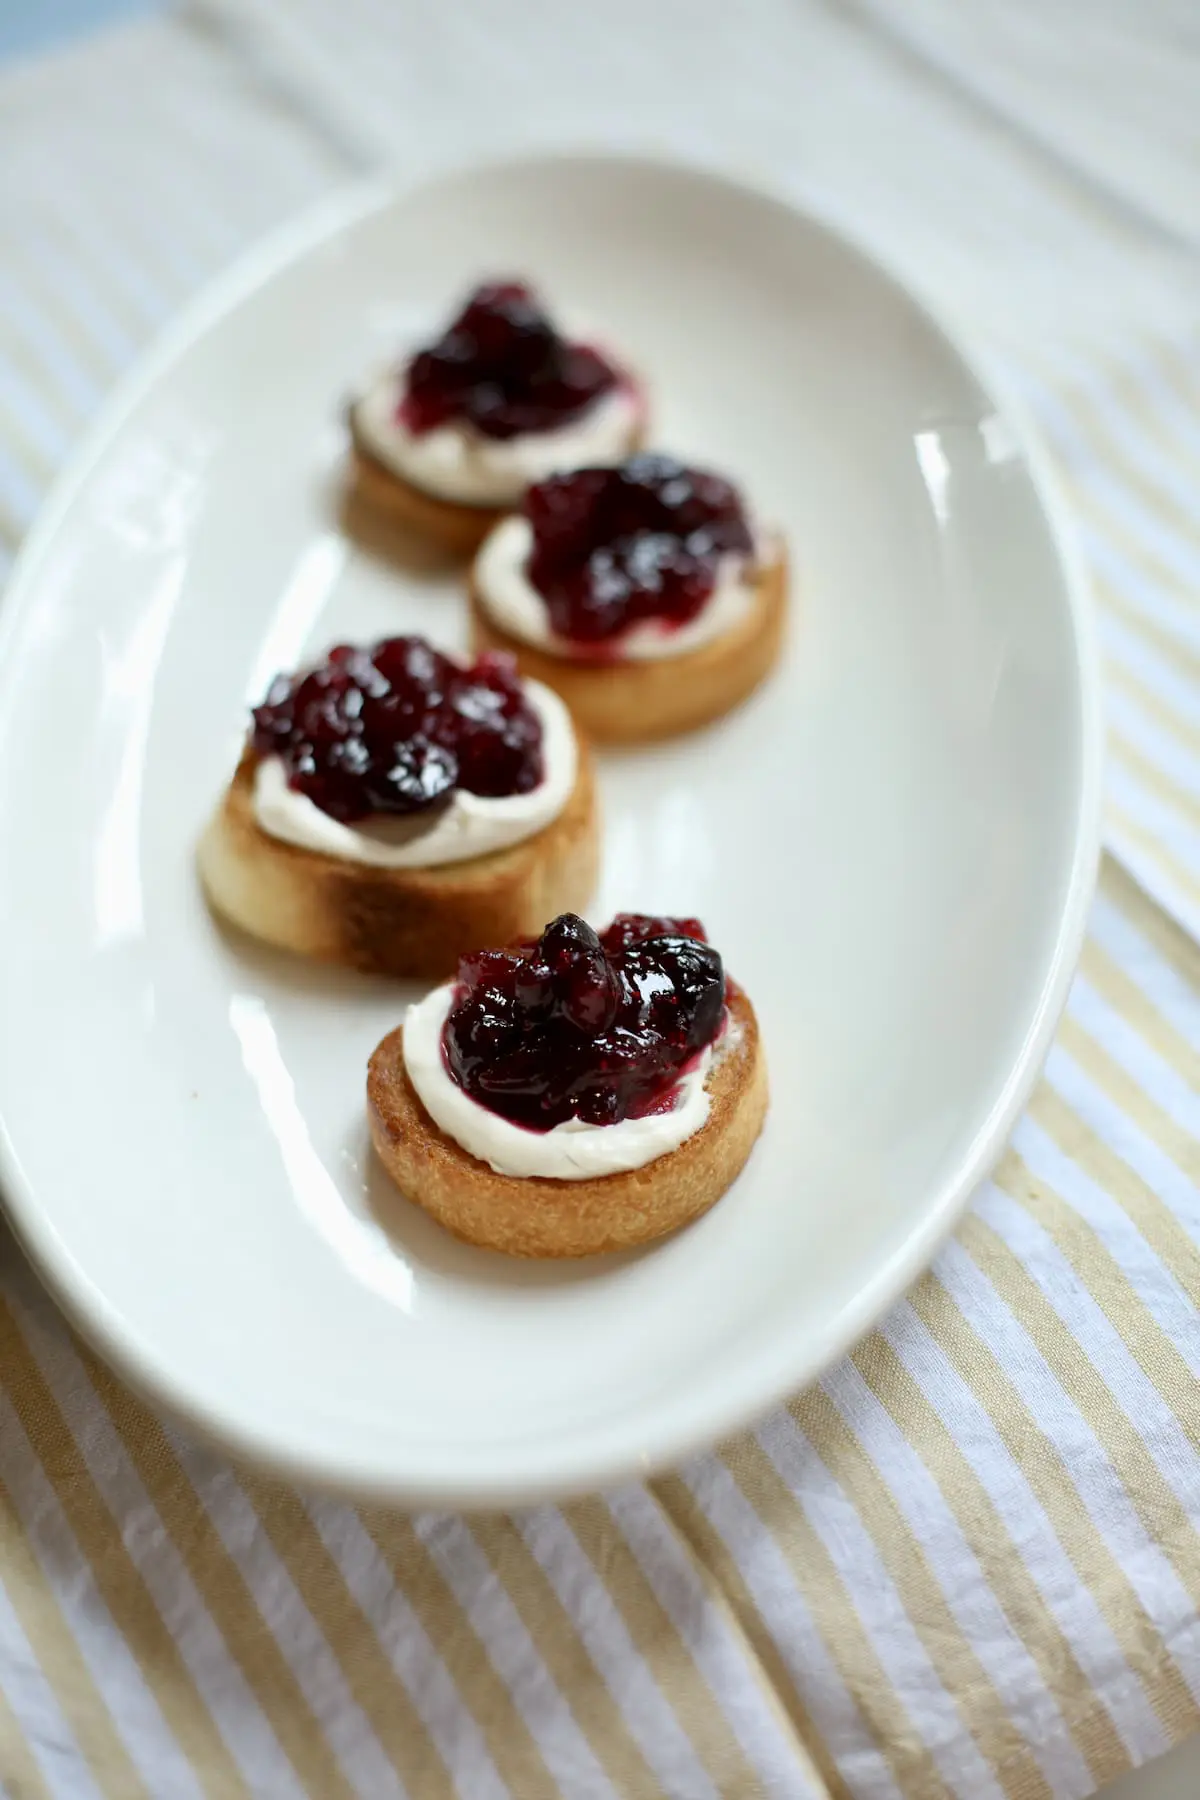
x=613 y=547
x=503 y=368
x=397 y=727
x=580 y=1026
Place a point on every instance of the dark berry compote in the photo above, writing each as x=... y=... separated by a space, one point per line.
x=503 y=368
x=397 y=727
x=613 y=547
x=577 y=1025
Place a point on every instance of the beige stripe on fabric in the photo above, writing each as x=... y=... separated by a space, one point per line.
x=114 y=282
x=1135 y=549
x=1106 y=1282
x=1135 y=1633
x=118 y=1579
x=1166 y=935
x=511 y=1744
x=837 y=1620
x=1134 y=392
x=1149 y=844
x=20 y=1777
x=564 y=1654
x=1167 y=717
x=1154 y=1219
x=1161 y=500
x=711 y=1553
x=73 y=324
x=1154 y=777
x=1127 y=999
x=1115 y=456
x=1162 y=1516
x=697 y=1709
x=1003 y=1565
x=59 y=399
x=61 y=1661
x=983 y=1713
x=351 y=1637
x=220 y=1583
x=1169 y=645
x=21 y=448
x=1174 y=365
x=1177 y=363
x=721 y=1602
x=11 y=528
x=1182 y=365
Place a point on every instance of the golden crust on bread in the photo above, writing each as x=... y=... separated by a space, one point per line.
x=535 y=1217
x=634 y=702
x=407 y=922
x=457 y=525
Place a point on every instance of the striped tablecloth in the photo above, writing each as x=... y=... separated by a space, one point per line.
x=967 y=1563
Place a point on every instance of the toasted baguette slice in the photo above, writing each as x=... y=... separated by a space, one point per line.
x=456 y=525
x=408 y=922
x=635 y=702
x=537 y=1217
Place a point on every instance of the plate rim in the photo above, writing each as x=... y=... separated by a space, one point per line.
x=87 y=1308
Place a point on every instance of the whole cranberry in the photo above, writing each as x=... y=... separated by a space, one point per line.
x=503 y=368
x=577 y=1025
x=616 y=547
x=397 y=727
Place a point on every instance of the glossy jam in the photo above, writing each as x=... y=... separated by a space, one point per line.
x=614 y=547
x=580 y=1026
x=396 y=728
x=503 y=368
